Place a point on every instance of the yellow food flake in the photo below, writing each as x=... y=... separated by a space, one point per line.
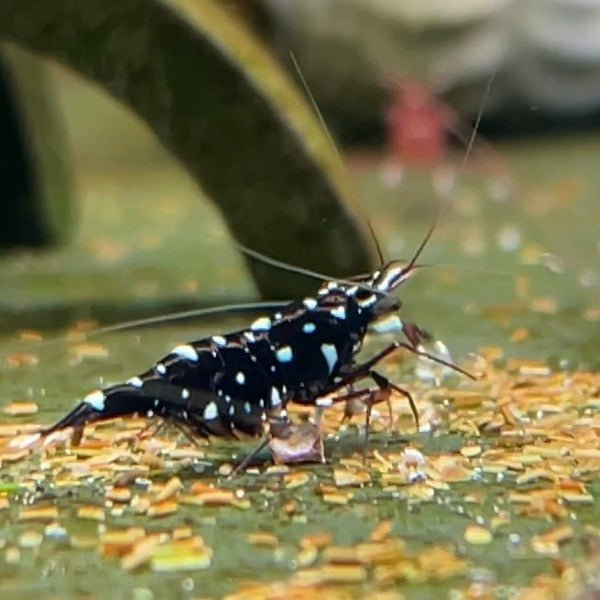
x=20 y=409
x=476 y=534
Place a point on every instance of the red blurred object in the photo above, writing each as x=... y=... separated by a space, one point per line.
x=416 y=126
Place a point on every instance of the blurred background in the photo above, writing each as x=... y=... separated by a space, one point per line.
x=124 y=191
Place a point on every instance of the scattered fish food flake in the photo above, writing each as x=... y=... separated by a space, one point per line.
x=263 y=539
x=523 y=453
x=30 y=539
x=177 y=556
x=92 y=513
x=475 y=534
x=38 y=513
x=20 y=409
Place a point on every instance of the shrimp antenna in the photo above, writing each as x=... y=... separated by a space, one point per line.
x=188 y=314
x=332 y=143
x=444 y=206
x=278 y=264
x=377 y=244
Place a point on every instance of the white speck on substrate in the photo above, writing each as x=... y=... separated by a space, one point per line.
x=261 y=324
x=247 y=408
x=284 y=354
x=240 y=378
x=310 y=303
x=309 y=327
x=186 y=351
x=210 y=412
x=330 y=353
x=96 y=400
x=275 y=397
x=161 y=369
x=339 y=312
x=219 y=340
x=135 y=382
x=185 y=393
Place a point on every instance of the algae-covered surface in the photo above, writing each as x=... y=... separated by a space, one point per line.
x=498 y=494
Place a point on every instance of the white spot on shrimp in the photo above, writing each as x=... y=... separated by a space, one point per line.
x=275 y=397
x=388 y=282
x=309 y=327
x=273 y=369
x=277 y=316
x=219 y=340
x=330 y=354
x=249 y=336
x=339 y=312
x=368 y=301
x=186 y=351
x=185 y=394
x=247 y=408
x=261 y=324
x=261 y=403
x=161 y=369
x=231 y=410
x=96 y=400
x=352 y=291
x=227 y=398
x=210 y=412
x=284 y=354
x=240 y=378
x=332 y=285
x=219 y=392
x=135 y=382
x=310 y=303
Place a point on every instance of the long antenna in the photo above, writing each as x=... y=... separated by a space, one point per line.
x=445 y=204
x=331 y=142
x=377 y=244
x=188 y=314
x=284 y=266
x=471 y=142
